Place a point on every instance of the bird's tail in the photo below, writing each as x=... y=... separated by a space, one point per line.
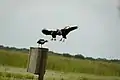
x=46 y=41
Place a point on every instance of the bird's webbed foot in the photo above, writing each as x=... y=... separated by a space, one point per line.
x=54 y=39
x=61 y=39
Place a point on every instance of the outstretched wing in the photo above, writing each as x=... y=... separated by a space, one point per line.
x=72 y=28
x=46 y=32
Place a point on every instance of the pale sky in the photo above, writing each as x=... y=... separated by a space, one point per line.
x=21 y=22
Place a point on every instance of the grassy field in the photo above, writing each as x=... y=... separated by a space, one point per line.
x=86 y=68
x=12 y=73
x=13 y=58
x=83 y=66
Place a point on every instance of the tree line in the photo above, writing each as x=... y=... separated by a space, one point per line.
x=13 y=48
x=80 y=56
x=77 y=56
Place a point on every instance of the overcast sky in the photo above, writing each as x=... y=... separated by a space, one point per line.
x=21 y=22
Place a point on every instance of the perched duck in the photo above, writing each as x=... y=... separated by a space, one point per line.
x=41 y=41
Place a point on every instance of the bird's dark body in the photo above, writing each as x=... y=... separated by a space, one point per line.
x=63 y=33
x=42 y=41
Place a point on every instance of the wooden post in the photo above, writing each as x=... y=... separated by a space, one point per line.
x=37 y=61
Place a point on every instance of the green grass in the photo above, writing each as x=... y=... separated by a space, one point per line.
x=59 y=63
x=16 y=59
x=83 y=66
x=13 y=73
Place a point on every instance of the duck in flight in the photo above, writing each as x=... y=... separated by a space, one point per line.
x=60 y=32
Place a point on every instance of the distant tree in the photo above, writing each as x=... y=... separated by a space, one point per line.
x=79 y=56
x=23 y=49
x=115 y=60
x=58 y=54
x=54 y=53
x=102 y=59
x=89 y=58
x=51 y=52
x=1 y=46
x=13 y=48
x=67 y=55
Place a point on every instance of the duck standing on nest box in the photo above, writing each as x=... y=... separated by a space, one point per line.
x=41 y=42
